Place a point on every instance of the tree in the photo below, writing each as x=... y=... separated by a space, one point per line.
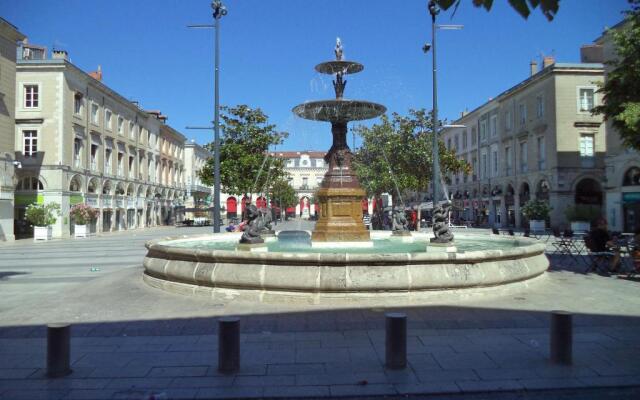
x=398 y=151
x=548 y=7
x=621 y=100
x=282 y=193
x=245 y=166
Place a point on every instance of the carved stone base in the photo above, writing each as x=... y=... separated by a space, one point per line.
x=435 y=247
x=340 y=216
x=252 y=248
x=269 y=236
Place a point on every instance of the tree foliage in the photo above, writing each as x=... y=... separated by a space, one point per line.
x=524 y=7
x=282 y=193
x=400 y=148
x=243 y=148
x=621 y=90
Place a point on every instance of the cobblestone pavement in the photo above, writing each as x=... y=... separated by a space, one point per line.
x=135 y=342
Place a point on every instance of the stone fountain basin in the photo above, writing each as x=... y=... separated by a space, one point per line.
x=199 y=271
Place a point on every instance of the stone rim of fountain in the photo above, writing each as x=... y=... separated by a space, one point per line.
x=184 y=269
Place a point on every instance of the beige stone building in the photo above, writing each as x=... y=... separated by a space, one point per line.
x=79 y=141
x=9 y=36
x=198 y=195
x=622 y=164
x=537 y=139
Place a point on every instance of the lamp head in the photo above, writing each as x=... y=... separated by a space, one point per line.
x=433 y=8
x=426 y=48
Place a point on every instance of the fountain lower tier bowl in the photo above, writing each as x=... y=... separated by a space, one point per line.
x=200 y=264
x=339 y=110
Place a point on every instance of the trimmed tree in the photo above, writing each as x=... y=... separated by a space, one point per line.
x=245 y=165
x=398 y=150
x=621 y=100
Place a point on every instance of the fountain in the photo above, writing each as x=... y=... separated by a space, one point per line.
x=340 y=194
x=340 y=255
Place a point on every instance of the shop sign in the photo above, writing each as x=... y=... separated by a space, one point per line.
x=107 y=202
x=76 y=199
x=140 y=202
x=475 y=204
x=119 y=202
x=466 y=203
x=633 y=197
x=91 y=201
x=131 y=202
x=26 y=199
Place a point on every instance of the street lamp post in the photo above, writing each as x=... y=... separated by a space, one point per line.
x=433 y=10
x=219 y=11
x=441 y=231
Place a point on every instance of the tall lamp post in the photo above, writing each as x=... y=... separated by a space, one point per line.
x=219 y=11
x=441 y=229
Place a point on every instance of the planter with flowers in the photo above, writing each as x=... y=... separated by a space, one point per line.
x=536 y=211
x=82 y=214
x=42 y=216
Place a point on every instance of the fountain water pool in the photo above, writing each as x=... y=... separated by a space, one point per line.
x=200 y=264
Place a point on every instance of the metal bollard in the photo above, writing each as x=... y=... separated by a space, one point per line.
x=228 y=344
x=58 y=350
x=561 y=343
x=396 y=340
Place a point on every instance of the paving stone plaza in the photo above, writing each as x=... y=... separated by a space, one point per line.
x=132 y=341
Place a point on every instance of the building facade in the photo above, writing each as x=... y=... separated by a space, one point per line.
x=79 y=141
x=536 y=140
x=306 y=170
x=198 y=195
x=9 y=36
x=622 y=164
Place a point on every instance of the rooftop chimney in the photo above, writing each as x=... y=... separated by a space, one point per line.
x=97 y=75
x=59 y=55
x=533 y=65
x=547 y=61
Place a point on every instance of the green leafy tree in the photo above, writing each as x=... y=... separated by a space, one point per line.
x=282 y=193
x=548 y=7
x=243 y=148
x=621 y=90
x=400 y=148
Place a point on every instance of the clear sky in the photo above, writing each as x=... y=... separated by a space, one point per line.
x=269 y=49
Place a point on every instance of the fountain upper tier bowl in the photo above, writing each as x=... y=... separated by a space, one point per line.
x=200 y=264
x=339 y=110
x=335 y=67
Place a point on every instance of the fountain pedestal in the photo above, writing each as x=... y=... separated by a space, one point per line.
x=340 y=216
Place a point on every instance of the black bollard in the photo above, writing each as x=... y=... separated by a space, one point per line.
x=58 y=350
x=561 y=343
x=396 y=340
x=228 y=344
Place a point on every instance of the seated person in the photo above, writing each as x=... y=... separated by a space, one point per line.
x=601 y=241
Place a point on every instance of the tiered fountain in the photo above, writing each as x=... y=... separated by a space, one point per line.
x=340 y=194
x=334 y=260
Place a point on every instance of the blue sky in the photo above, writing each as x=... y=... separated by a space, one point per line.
x=269 y=49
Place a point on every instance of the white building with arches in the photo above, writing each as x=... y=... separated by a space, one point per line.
x=80 y=141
